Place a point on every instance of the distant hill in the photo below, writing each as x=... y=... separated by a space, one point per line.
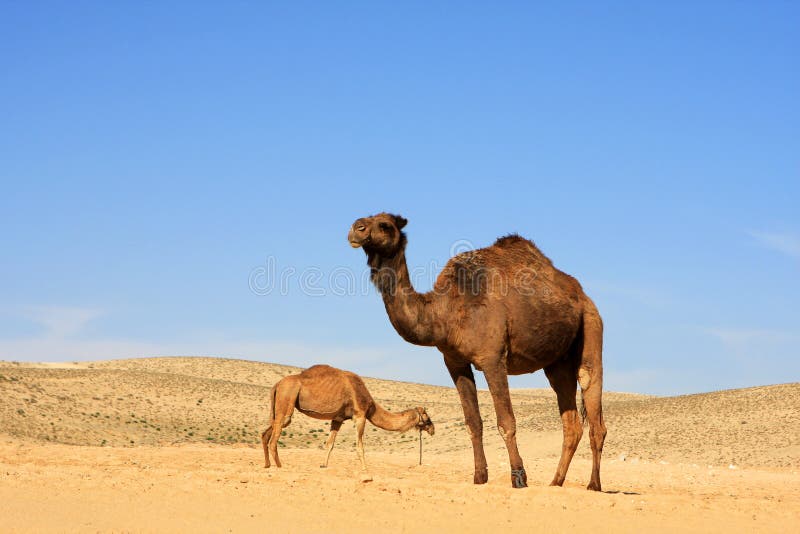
x=166 y=401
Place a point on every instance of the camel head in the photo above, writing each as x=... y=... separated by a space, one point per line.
x=425 y=422
x=379 y=234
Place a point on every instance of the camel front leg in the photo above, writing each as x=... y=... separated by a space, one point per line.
x=497 y=379
x=464 y=381
x=335 y=426
x=361 y=422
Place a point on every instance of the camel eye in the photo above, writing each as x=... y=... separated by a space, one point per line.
x=361 y=227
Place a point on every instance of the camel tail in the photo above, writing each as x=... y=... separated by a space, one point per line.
x=583 y=410
x=272 y=394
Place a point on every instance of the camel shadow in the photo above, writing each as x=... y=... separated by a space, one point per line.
x=619 y=492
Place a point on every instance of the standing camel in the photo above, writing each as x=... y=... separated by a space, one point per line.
x=506 y=310
x=330 y=394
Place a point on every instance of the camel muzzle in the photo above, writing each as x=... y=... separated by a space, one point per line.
x=354 y=241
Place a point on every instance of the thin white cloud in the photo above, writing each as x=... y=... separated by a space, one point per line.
x=60 y=322
x=634 y=380
x=47 y=348
x=788 y=244
x=740 y=339
x=385 y=362
x=651 y=296
x=58 y=342
x=755 y=356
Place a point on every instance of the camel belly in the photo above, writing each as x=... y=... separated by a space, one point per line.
x=326 y=416
x=531 y=349
x=324 y=408
x=521 y=366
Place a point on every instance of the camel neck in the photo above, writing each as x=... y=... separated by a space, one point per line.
x=412 y=314
x=396 y=422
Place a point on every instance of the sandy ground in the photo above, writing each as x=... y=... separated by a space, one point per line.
x=61 y=488
x=170 y=445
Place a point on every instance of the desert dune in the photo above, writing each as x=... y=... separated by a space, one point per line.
x=173 y=444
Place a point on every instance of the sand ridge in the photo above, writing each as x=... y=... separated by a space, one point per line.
x=160 y=443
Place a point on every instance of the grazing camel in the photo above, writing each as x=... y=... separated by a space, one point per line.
x=506 y=310
x=324 y=392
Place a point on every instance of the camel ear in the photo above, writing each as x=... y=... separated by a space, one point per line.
x=400 y=221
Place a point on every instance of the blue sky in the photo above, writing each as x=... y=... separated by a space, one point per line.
x=158 y=161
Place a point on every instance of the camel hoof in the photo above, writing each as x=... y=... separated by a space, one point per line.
x=323 y=467
x=593 y=487
x=518 y=478
x=481 y=477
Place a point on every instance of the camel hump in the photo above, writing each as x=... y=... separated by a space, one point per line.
x=321 y=369
x=515 y=243
x=328 y=372
x=511 y=240
x=327 y=375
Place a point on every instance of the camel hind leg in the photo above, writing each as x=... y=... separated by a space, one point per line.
x=590 y=377
x=265 y=436
x=563 y=379
x=284 y=400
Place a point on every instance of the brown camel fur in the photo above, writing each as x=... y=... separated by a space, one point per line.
x=504 y=309
x=330 y=394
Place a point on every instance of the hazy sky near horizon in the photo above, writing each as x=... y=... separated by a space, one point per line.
x=178 y=178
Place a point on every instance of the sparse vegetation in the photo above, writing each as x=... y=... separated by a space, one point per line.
x=108 y=406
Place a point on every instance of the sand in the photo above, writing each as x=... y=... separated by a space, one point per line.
x=169 y=444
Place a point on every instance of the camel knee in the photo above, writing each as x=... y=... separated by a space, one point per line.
x=597 y=434
x=474 y=427
x=475 y=433
x=507 y=431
